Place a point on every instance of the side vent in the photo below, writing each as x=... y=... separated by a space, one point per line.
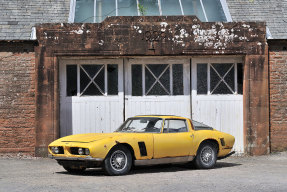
x=142 y=148
x=222 y=141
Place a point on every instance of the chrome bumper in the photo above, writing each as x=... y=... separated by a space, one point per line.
x=88 y=158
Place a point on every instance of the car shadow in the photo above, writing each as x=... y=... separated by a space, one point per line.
x=151 y=169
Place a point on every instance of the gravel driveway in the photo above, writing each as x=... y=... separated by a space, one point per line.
x=264 y=173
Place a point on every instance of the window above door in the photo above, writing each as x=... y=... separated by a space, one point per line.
x=219 y=78
x=91 y=79
x=157 y=79
x=95 y=11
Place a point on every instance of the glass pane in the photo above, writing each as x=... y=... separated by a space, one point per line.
x=92 y=90
x=240 y=78
x=140 y=125
x=222 y=69
x=71 y=80
x=175 y=126
x=84 y=80
x=213 y=10
x=127 y=8
x=112 y=70
x=100 y=80
x=137 y=80
x=165 y=80
x=222 y=89
x=92 y=70
x=214 y=79
x=201 y=78
x=157 y=70
x=177 y=76
x=193 y=7
x=84 y=11
x=157 y=89
x=199 y=125
x=229 y=79
x=165 y=128
x=105 y=8
x=170 y=7
x=149 y=80
x=149 y=7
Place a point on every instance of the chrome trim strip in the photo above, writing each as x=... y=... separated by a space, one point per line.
x=88 y=158
x=165 y=160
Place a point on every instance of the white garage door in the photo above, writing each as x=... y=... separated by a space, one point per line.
x=217 y=100
x=157 y=86
x=91 y=96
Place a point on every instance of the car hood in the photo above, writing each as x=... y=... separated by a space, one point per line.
x=87 y=138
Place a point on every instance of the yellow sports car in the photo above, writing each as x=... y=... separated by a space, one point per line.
x=144 y=140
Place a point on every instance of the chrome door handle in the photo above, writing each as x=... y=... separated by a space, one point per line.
x=192 y=136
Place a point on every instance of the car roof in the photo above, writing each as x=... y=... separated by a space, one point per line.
x=162 y=116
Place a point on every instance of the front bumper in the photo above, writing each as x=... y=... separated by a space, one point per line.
x=88 y=162
x=88 y=158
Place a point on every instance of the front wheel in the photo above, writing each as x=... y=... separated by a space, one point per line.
x=206 y=156
x=118 y=161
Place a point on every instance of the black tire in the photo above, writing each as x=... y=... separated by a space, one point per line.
x=74 y=170
x=206 y=156
x=118 y=161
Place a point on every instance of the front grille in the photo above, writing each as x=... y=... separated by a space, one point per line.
x=74 y=150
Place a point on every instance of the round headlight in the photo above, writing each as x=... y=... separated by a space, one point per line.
x=87 y=151
x=81 y=151
x=55 y=150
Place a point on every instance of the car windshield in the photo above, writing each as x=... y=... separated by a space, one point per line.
x=141 y=125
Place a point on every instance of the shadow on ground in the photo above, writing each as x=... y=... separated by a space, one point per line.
x=151 y=169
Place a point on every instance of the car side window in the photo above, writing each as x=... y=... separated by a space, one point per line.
x=175 y=126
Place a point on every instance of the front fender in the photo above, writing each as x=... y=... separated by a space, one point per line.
x=100 y=149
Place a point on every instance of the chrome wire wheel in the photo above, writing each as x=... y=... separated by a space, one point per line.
x=118 y=160
x=207 y=155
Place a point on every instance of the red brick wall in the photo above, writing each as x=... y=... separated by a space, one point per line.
x=278 y=94
x=17 y=99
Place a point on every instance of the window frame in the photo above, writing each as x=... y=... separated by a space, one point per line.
x=220 y=60
x=185 y=122
x=104 y=62
x=225 y=8
x=169 y=66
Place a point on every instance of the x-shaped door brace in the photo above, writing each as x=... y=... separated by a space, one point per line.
x=157 y=79
x=222 y=79
x=92 y=80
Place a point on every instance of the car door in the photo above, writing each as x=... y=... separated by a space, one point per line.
x=175 y=139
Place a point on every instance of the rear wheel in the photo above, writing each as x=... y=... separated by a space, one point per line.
x=118 y=161
x=206 y=156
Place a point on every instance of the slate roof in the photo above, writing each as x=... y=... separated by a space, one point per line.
x=18 y=16
x=274 y=12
